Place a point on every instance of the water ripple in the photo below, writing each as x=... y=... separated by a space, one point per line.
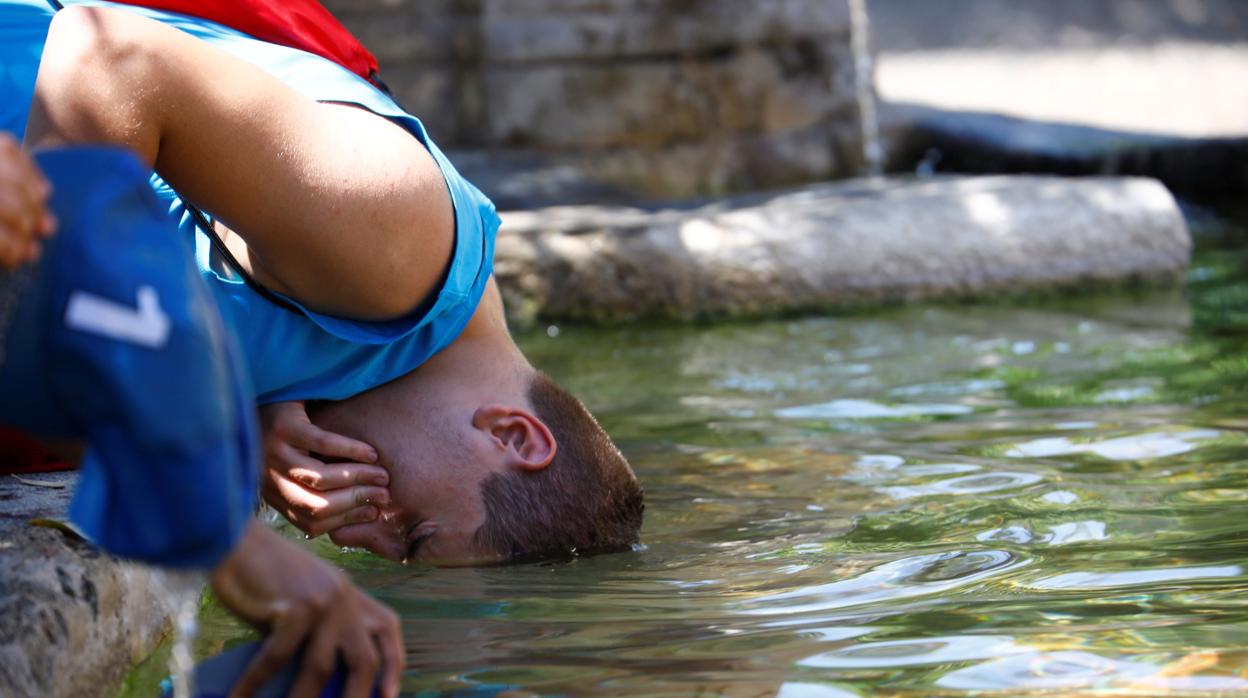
x=892 y=581
x=1130 y=578
x=866 y=409
x=931 y=650
x=970 y=484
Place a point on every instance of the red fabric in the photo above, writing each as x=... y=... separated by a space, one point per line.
x=21 y=454
x=301 y=24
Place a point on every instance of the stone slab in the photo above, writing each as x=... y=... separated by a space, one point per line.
x=73 y=621
x=841 y=245
x=521 y=178
x=614 y=83
x=418 y=34
x=654 y=103
x=558 y=30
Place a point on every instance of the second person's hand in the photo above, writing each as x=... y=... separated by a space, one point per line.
x=303 y=601
x=24 y=218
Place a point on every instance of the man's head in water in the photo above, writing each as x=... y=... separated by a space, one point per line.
x=489 y=460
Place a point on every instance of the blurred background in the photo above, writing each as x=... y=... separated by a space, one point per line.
x=558 y=101
x=1157 y=66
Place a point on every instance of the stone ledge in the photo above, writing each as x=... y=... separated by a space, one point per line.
x=527 y=178
x=73 y=621
x=841 y=245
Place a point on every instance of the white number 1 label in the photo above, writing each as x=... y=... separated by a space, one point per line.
x=146 y=325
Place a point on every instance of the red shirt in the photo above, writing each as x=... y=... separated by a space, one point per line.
x=21 y=454
x=301 y=24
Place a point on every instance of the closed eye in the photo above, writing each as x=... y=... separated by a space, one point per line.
x=414 y=549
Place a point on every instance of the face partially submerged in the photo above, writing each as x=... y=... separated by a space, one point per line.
x=438 y=455
x=435 y=509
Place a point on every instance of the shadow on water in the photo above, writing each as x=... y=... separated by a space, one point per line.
x=925 y=501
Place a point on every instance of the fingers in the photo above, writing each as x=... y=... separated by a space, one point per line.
x=303 y=600
x=316 y=475
x=366 y=635
x=320 y=512
x=16 y=213
x=390 y=642
x=24 y=191
x=316 y=667
x=309 y=437
x=288 y=632
x=317 y=496
x=18 y=243
x=378 y=654
x=363 y=664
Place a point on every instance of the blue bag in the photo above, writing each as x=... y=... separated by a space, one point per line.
x=116 y=340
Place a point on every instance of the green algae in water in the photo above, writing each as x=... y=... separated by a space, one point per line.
x=926 y=501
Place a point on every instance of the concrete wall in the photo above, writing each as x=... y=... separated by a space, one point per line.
x=665 y=97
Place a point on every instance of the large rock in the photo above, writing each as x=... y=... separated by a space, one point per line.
x=665 y=98
x=839 y=245
x=73 y=621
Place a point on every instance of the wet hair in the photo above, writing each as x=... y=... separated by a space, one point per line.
x=586 y=501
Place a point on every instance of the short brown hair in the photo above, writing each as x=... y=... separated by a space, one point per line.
x=586 y=501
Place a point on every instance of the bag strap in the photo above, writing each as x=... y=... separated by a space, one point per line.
x=219 y=245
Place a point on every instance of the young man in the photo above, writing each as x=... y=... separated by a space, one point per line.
x=324 y=191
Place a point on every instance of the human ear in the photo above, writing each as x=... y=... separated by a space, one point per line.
x=525 y=440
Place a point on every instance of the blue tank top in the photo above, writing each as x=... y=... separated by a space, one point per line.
x=301 y=354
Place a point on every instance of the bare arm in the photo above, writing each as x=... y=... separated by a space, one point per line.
x=338 y=206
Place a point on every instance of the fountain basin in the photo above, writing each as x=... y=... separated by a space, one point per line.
x=841 y=245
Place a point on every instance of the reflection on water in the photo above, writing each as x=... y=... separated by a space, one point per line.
x=866 y=409
x=932 y=650
x=925 y=501
x=1050 y=671
x=1137 y=447
x=1105 y=580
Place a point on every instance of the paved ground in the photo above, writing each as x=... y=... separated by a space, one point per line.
x=1174 y=67
x=39 y=496
x=1183 y=89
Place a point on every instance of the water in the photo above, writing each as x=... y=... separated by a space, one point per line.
x=924 y=501
x=181 y=590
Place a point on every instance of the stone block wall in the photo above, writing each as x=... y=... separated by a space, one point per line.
x=663 y=97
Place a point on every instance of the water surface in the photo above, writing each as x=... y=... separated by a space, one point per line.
x=924 y=501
